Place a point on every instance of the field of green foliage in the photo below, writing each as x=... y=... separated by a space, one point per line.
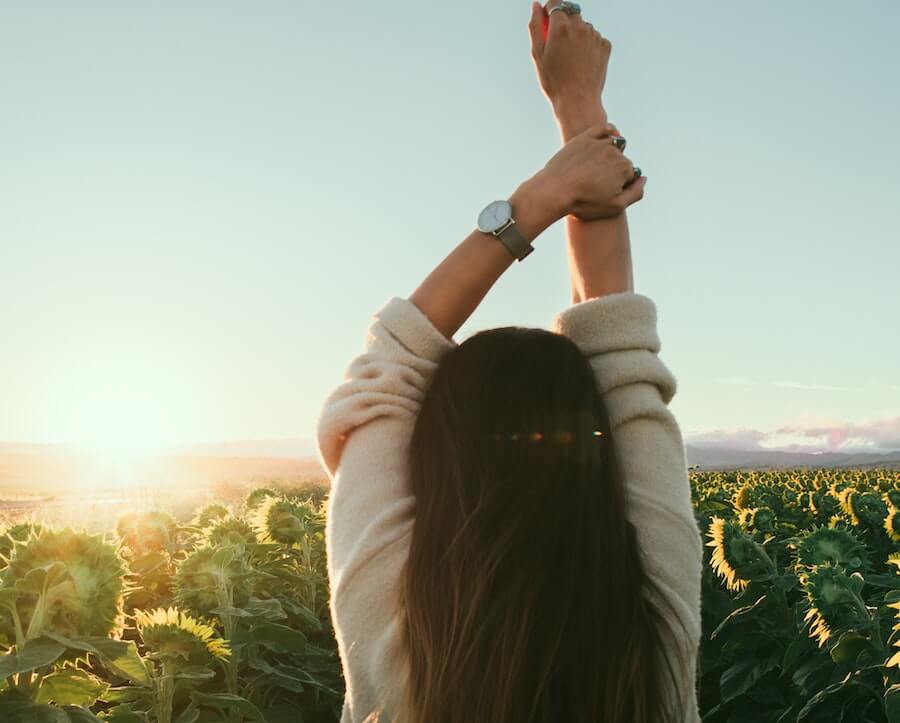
x=220 y=618
x=801 y=595
x=224 y=617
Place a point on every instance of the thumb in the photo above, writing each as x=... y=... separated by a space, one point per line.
x=537 y=29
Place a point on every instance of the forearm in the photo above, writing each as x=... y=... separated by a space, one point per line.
x=599 y=251
x=455 y=288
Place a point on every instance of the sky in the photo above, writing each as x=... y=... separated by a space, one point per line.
x=202 y=205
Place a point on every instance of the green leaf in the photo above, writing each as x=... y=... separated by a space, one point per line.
x=33 y=655
x=269 y=609
x=282 y=676
x=8 y=597
x=805 y=673
x=72 y=643
x=118 y=656
x=284 y=713
x=227 y=701
x=853 y=650
x=195 y=672
x=190 y=715
x=38 y=578
x=736 y=614
x=124 y=714
x=800 y=646
x=820 y=697
x=71 y=686
x=741 y=676
x=121 y=657
x=128 y=694
x=279 y=638
x=307 y=617
x=149 y=563
x=231 y=612
x=892 y=704
x=17 y=708
x=81 y=715
x=223 y=556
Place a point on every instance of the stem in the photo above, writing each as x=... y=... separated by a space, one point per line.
x=166 y=691
x=17 y=624
x=231 y=665
x=37 y=617
x=307 y=568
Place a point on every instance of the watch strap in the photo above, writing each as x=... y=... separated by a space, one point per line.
x=515 y=242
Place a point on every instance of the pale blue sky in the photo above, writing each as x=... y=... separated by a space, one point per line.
x=202 y=204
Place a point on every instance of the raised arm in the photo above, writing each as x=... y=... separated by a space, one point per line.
x=455 y=288
x=616 y=329
x=571 y=59
x=585 y=178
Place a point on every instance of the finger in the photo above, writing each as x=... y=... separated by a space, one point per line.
x=599 y=130
x=537 y=27
x=557 y=20
x=634 y=174
x=632 y=194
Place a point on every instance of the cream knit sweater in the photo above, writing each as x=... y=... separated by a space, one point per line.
x=363 y=434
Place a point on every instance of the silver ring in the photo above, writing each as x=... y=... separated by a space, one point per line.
x=570 y=8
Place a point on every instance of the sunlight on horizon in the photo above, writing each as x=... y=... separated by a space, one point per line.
x=120 y=426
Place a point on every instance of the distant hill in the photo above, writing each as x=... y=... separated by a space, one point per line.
x=62 y=471
x=715 y=458
x=59 y=470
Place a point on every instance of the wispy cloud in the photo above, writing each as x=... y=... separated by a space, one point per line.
x=877 y=433
x=811 y=386
x=807 y=433
x=885 y=387
x=740 y=438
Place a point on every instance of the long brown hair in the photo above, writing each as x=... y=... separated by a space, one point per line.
x=525 y=594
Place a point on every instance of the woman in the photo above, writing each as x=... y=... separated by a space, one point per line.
x=510 y=536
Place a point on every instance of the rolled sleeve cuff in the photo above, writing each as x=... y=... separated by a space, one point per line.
x=409 y=325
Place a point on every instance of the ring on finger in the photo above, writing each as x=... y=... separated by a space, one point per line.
x=619 y=142
x=637 y=174
x=569 y=8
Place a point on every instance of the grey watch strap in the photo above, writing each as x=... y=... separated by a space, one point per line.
x=515 y=242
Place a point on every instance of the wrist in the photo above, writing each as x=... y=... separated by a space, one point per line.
x=537 y=204
x=576 y=114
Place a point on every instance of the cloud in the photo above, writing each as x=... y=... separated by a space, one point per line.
x=788 y=384
x=742 y=438
x=807 y=433
x=880 y=434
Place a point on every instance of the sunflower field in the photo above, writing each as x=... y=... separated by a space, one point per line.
x=801 y=595
x=221 y=618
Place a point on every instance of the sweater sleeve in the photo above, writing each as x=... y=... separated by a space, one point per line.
x=363 y=433
x=618 y=335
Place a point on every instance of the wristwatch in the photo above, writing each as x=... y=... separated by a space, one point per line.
x=496 y=219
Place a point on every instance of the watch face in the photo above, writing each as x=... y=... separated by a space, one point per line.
x=494 y=216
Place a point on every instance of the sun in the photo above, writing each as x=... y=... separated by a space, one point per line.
x=121 y=427
x=122 y=439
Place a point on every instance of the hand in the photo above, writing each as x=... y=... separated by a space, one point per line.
x=593 y=177
x=571 y=60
